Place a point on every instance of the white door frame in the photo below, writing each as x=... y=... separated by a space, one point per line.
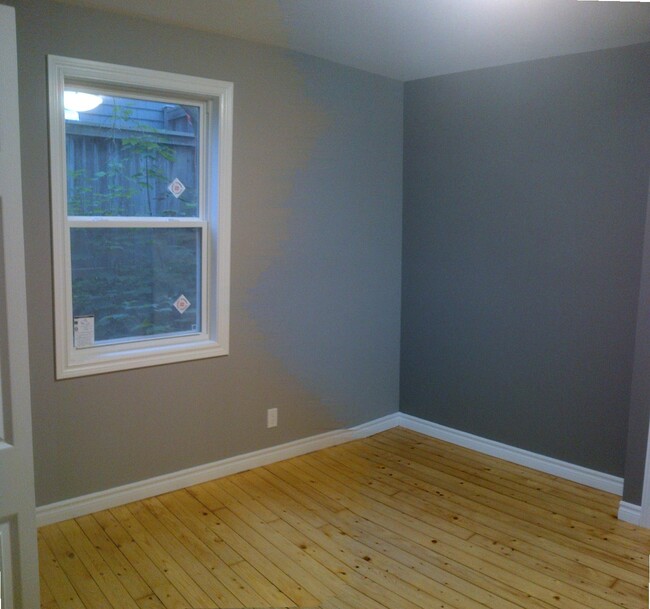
x=644 y=520
x=18 y=548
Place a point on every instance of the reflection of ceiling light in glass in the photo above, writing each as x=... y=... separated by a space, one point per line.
x=77 y=101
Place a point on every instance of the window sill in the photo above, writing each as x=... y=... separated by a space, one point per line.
x=86 y=362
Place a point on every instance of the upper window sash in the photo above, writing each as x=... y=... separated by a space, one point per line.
x=123 y=130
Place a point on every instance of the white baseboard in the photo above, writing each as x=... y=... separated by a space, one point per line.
x=569 y=471
x=102 y=500
x=79 y=506
x=629 y=512
x=377 y=426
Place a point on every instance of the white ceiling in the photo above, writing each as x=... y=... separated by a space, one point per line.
x=410 y=39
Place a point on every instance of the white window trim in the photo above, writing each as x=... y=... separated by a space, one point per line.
x=218 y=98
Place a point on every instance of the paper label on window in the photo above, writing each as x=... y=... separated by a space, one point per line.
x=182 y=304
x=84 y=331
x=177 y=188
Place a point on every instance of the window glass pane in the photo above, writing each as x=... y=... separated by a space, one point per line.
x=133 y=280
x=130 y=156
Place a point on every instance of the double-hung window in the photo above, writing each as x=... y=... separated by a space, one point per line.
x=140 y=172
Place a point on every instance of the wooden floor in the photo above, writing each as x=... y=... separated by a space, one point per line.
x=395 y=521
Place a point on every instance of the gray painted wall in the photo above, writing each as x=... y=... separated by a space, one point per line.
x=524 y=206
x=316 y=233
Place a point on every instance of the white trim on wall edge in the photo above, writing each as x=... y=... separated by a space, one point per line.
x=102 y=500
x=629 y=512
x=542 y=463
x=86 y=504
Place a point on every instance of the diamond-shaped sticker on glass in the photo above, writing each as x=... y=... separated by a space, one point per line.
x=182 y=304
x=177 y=188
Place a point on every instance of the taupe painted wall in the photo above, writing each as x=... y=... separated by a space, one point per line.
x=525 y=192
x=316 y=233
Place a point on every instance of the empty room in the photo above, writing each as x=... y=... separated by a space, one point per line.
x=331 y=304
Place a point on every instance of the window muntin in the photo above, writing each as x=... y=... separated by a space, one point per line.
x=141 y=215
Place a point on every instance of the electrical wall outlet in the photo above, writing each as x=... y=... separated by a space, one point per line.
x=272 y=417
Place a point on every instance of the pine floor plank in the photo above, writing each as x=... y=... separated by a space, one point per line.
x=443 y=579
x=150 y=602
x=115 y=560
x=395 y=521
x=268 y=572
x=444 y=587
x=583 y=495
x=152 y=546
x=47 y=598
x=561 y=509
x=275 y=547
x=85 y=586
x=240 y=592
x=420 y=528
x=96 y=566
x=518 y=506
x=558 y=567
x=155 y=578
x=154 y=523
x=500 y=514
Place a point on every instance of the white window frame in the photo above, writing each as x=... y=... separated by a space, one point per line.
x=216 y=100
